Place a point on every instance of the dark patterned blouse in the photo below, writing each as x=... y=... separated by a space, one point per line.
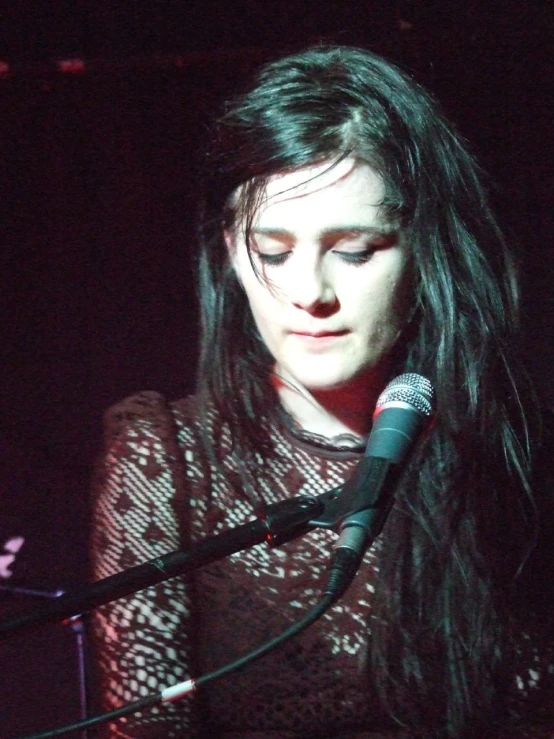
x=156 y=493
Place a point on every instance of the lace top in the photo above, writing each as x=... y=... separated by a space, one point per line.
x=155 y=493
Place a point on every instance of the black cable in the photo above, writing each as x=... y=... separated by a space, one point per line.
x=148 y=702
x=342 y=570
x=319 y=609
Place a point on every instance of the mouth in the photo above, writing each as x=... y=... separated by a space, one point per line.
x=320 y=334
x=318 y=340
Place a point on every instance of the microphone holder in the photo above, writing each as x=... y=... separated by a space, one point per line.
x=279 y=523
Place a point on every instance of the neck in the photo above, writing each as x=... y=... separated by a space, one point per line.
x=330 y=413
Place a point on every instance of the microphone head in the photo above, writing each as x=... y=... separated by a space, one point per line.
x=408 y=390
x=404 y=409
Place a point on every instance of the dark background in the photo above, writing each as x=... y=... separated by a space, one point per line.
x=97 y=230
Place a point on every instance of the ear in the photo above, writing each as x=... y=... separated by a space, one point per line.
x=230 y=242
x=229 y=239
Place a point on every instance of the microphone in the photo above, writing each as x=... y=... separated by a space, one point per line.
x=403 y=411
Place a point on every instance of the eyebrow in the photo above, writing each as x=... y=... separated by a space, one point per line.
x=330 y=231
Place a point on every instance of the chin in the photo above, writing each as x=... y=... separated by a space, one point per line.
x=343 y=381
x=324 y=384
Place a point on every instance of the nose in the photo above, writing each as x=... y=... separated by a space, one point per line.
x=311 y=289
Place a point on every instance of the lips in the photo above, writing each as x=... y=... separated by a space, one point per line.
x=320 y=334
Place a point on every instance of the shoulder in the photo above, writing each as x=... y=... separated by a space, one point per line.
x=139 y=485
x=142 y=452
x=148 y=413
x=142 y=435
x=147 y=408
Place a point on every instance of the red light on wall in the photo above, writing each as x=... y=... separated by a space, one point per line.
x=71 y=66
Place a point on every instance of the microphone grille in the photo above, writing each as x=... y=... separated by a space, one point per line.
x=410 y=388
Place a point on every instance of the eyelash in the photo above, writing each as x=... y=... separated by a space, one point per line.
x=355 y=258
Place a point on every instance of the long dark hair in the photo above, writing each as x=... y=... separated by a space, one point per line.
x=446 y=575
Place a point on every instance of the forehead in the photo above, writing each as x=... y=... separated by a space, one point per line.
x=348 y=189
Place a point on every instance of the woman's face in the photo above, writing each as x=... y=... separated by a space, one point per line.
x=328 y=283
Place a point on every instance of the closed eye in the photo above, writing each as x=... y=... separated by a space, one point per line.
x=352 y=247
x=363 y=250
x=273 y=259
x=360 y=256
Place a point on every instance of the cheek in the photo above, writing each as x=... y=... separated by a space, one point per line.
x=256 y=294
x=403 y=296
x=262 y=305
x=397 y=290
x=262 y=294
x=388 y=307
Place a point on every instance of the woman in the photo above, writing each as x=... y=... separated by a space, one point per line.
x=345 y=239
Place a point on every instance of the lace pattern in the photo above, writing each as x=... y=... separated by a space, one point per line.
x=155 y=492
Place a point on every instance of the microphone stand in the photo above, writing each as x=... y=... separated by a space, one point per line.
x=280 y=522
x=78 y=628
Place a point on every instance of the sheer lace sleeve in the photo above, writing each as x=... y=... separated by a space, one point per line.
x=142 y=642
